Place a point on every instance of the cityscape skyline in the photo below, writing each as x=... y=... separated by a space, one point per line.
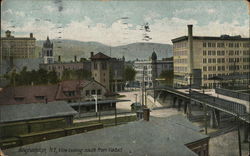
x=120 y=22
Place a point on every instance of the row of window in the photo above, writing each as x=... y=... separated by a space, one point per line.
x=180 y=61
x=222 y=45
x=103 y=65
x=223 y=60
x=223 y=68
x=180 y=45
x=180 y=53
x=222 y=53
x=213 y=60
x=180 y=69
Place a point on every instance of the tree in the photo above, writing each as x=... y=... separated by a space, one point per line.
x=75 y=74
x=168 y=75
x=129 y=73
x=52 y=77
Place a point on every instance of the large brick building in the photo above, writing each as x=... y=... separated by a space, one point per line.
x=152 y=69
x=201 y=58
x=108 y=71
x=17 y=47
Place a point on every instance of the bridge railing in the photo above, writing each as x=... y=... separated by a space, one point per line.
x=234 y=94
x=221 y=103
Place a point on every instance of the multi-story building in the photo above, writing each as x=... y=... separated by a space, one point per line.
x=198 y=60
x=152 y=68
x=59 y=67
x=18 y=47
x=108 y=71
x=100 y=68
x=117 y=70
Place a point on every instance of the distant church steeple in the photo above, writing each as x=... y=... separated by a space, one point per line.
x=47 y=52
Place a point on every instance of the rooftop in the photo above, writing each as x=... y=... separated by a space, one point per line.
x=22 y=112
x=100 y=56
x=155 y=137
x=222 y=37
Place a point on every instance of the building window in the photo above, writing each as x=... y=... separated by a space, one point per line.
x=209 y=52
x=99 y=92
x=70 y=93
x=209 y=60
x=104 y=65
x=204 y=44
x=39 y=97
x=209 y=68
x=222 y=52
x=87 y=93
x=93 y=92
x=204 y=52
x=95 y=65
x=205 y=77
x=204 y=68
x=218 y=53
x=19 y=99
x=204 y=60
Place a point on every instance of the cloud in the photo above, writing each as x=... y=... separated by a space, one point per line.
x=10 y=12
x=194 y=11
x=162 y=30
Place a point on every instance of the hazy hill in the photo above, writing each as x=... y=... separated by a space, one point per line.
x=69 y=48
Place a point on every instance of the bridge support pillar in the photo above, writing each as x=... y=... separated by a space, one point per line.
x=187 y=108
x=214 y=118
x=246 y=131
x=175 y=101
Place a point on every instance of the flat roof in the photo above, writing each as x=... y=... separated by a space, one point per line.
x=22 y=112
x=231 y=38
x=158 y=136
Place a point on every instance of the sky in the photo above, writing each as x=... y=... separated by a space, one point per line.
x=119 y=22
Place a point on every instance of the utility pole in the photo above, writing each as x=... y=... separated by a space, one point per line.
x=205 y=116
x=143 y=85
x=239 y=139
x=115 y=115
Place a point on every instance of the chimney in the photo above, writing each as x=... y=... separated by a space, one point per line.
x=190 y=47
x=31 y=35
x=143 y=113
x=59 y=58
x=91 y=54
x=146 y=114
x=75 y=58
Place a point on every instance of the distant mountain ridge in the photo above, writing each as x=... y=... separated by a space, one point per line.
x=67 y=49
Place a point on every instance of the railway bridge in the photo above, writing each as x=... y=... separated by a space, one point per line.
x=212 y=106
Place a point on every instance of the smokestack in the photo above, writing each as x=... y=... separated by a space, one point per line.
x=190 y=47
x=91 y=54
x=75 y=58
x=31 y=35
x=59 y=58
x=146 y=114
